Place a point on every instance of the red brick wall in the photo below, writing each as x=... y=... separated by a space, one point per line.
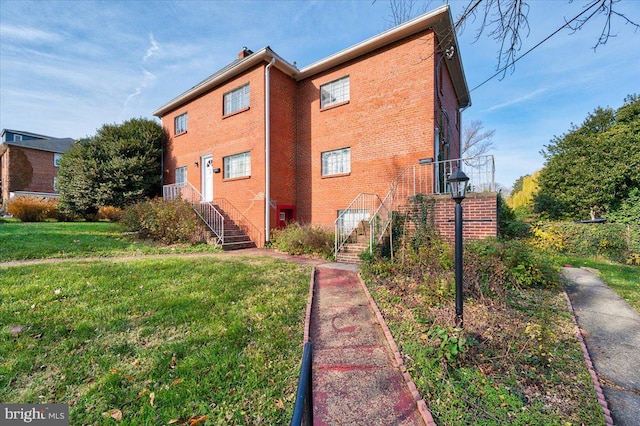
x=388 y=124
x=475 y=207
x=208 y=132
x=29 y=170
x=283 y=137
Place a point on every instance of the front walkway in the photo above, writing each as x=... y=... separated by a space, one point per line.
x=611 y=332
x=357 y=376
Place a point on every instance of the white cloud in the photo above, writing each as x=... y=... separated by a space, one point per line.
x=26 y=34
x=517 y=100
x=153 y=49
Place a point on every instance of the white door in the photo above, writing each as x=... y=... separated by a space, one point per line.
x=207 y=177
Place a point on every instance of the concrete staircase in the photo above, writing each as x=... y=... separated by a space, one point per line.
x=357 y=242
x=234 y=236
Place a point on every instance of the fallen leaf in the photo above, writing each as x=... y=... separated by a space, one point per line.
x=114 y=413
x=280 y=404
x=135 y=362
x=176 y=382
x=197 y=420
x=114 y=371
x=173 y=361
x=129 y=378
x=143 y=392
x=152 y=397
x=174 y=421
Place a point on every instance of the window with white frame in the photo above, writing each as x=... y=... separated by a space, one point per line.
x=334 y=92
x=17 y=138
x=56 y=159
x=181 y=175
x=180 y=123
x=336 y=162
x=236 y=99
x=238 y=165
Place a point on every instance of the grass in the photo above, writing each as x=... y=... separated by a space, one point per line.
x=41 y=240
x=623 y=279
x=521 y=364
x=156 y=340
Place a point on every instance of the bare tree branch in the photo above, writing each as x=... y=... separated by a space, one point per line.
x=475 y=140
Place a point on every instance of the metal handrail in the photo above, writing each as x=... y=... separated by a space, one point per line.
x=239 y=219
x=380 y=220
x=204 y=209
x=303 y=408
x=364 y=202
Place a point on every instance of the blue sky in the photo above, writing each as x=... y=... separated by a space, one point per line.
x=68 y=67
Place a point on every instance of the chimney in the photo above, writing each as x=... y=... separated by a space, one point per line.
x=244 y=52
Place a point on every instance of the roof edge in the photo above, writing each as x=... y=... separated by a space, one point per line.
x=263 y=55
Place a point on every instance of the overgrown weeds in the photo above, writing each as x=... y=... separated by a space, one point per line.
x=167 y=221
x=298 y=239
x=516 y=361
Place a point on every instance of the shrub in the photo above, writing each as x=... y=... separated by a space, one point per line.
x=509 y=225
x=111 y=213
x=169 y=222
x=33 y=209
x=299 y=239
x=613 y=241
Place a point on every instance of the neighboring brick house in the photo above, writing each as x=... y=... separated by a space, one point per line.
x=276 y=143
x=29 y=163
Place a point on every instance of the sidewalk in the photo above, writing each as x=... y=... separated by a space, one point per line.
x=357 y=378
x=611 y=331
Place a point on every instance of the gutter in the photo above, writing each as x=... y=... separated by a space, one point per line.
x=267 y=150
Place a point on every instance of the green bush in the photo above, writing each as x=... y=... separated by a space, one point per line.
x=614 y=241
x=169 y=222
x=33 y=209
x=490 y=266
x=509 y=225
x=299 y=239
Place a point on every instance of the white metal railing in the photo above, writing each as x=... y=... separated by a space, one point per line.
x=361 y=209
x=432 y=178
x=207 y=211
x=428 y=178
x=252 y=231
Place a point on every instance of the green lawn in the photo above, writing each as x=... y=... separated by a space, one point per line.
x=155 y=339
x=623 y=279
x=20 y=241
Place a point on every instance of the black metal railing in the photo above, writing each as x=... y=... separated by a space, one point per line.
x=303 y=410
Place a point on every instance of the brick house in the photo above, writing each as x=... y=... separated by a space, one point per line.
x=264 y=142
x=29 y=163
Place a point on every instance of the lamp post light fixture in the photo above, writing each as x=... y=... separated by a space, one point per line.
x=458 y=183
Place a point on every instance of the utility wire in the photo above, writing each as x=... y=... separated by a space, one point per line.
x=504 y=68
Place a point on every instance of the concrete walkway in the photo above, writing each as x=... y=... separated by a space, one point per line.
x=358 y=378
x=611 y=332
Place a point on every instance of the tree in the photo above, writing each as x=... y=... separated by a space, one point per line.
x=593 y=169
x=118 y=166
x=505 y=21
x=475 y=140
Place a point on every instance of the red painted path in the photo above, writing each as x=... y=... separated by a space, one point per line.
x=357 y=379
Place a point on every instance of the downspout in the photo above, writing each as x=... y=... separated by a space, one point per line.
x=267 y=152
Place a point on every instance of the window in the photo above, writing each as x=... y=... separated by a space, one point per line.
x=237 y=165
x=56 y=159
x=336 y=162
x=17 y=138
x=181 y=175
x=334 y=92
x=181 y=123
x=236 y=99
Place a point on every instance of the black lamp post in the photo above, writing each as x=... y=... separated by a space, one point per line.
x=458 y=183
